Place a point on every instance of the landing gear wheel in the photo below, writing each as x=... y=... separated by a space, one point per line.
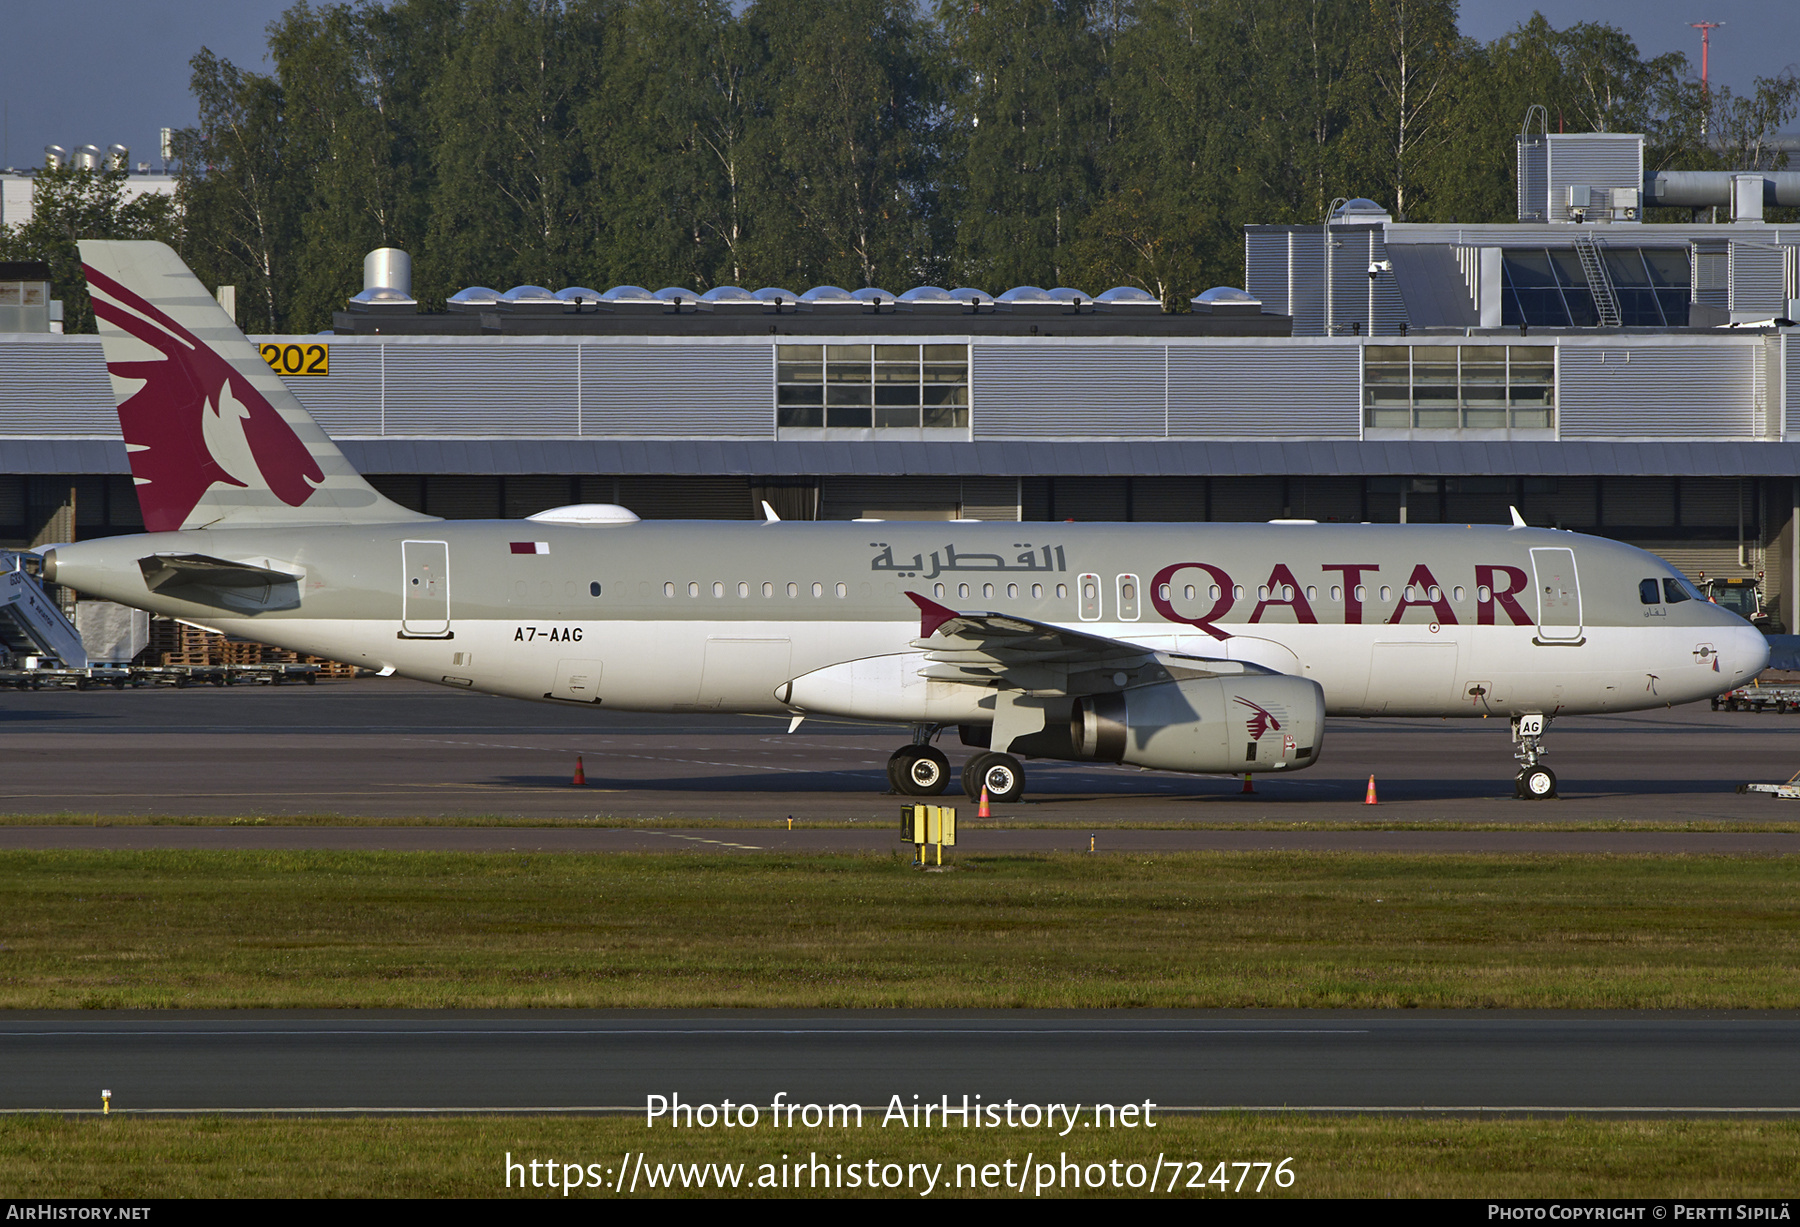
x=1537 y=783
x=894 y=762
x=1000 y=774
x=919 y=771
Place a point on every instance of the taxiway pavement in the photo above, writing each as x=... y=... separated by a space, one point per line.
x=571 y=1060
x=389 y=748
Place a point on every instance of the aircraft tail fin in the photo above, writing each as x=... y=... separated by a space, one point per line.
x=214 y=436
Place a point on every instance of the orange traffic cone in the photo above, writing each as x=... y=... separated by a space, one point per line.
x=580 y=774
x=983 y=811
x=1247 y=787
x=1370 y=799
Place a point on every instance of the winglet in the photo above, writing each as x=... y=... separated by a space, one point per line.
x=931 y=614
x=1518 y=520
x=769 y=516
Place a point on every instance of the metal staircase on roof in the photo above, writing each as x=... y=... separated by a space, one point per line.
x=1593 y=267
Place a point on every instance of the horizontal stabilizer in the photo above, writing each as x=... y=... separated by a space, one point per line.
x=164 y=572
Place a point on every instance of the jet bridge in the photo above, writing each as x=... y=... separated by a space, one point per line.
x=30 y=622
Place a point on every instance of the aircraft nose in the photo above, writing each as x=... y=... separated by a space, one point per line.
x=1746 y=651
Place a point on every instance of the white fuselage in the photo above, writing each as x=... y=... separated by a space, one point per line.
x=702 y=616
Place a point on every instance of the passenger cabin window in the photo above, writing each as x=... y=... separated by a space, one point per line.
x=1648 y=593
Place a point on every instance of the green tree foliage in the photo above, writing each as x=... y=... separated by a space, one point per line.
x=1025 y=126
x=669 y=135
x=239 y=213
x=353 y=82
x=859 y=142
x=503 y=120
x=69 y=205
x=845 y=142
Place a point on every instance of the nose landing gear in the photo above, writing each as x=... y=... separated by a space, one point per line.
x=1535 y=782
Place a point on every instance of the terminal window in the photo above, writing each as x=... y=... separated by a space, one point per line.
x=878 y=386
x=1452 y=387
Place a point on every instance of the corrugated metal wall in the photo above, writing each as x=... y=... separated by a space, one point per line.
x=1790 y=387
x=55 y=387
x=1267 y=392
x=1758 y=277
x=466 y=387
x=1624 y=391
x=693 y=388
x=1596 y=159
x=1035 y=391
x=1673 y=387
x=348 y=401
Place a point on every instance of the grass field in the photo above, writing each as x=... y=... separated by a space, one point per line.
x=219 y=929
x=1330 y=1157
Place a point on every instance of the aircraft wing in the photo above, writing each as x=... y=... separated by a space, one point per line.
x=1039 y=657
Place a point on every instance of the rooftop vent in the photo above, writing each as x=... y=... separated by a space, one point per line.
x=978 y=300
x=55 y=157
x=531 y=300
x=633 y=300
x=474 y=299
x=879 y=300
x=89 y=157
x=387 y=282
x=779 y=299
x=579 y=298
x=731 y=300
x=1128 y=300
x=1359 y=212
x=680 y=299
x=831 y=298
x=933 y=300
x=1080 y=300
x=1227 y=300
x=1030 y=300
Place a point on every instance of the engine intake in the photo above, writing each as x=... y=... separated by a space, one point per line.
x=1264 y=722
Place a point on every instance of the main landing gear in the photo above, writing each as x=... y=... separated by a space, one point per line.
x=1000 y=774
x=1535 y=781
x=922 y=770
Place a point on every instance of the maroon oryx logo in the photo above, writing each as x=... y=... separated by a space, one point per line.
x=1261 y=721
x=193 y=406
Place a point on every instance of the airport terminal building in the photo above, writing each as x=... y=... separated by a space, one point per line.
x=1638 y=381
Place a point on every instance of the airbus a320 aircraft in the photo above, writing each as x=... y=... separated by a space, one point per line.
x=1212 y=648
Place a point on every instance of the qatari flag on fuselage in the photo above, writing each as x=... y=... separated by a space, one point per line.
x=531 y=547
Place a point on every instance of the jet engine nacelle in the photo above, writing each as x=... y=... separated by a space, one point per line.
x=1264 y=722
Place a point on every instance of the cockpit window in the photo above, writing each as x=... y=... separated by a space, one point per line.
x=1677 y=590
x=1648 y=594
